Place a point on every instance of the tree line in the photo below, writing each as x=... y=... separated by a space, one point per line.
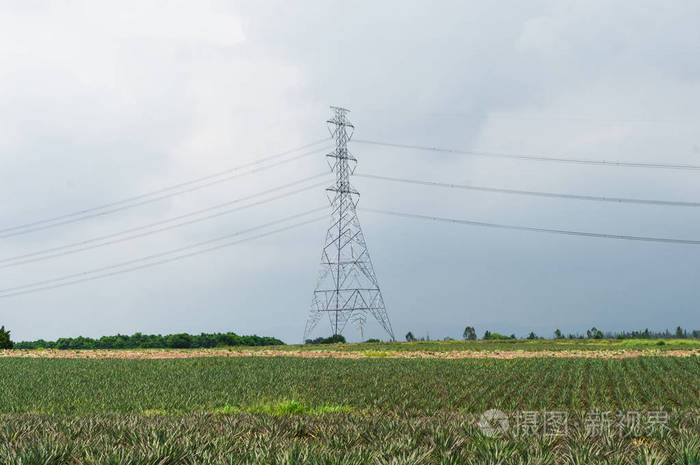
x=150 y=341
x=204 y=340
x=469 y=334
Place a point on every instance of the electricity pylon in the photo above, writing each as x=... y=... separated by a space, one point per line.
x=347 y=288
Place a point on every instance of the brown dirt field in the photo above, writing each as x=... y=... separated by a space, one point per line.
x=192 y=353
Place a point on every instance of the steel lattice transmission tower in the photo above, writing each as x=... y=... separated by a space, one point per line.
x=347 y=288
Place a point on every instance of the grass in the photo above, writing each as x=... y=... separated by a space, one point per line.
x=370 y=353
x=282 y=407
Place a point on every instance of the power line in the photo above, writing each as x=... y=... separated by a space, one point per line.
x=168 y=220
x=162 y=197
x=87 y=212
x=533 y=193
x=85 y=275
x=581 y=161
x=532 y=229
x=167 y=188
x=60 y=251
x=162 y=262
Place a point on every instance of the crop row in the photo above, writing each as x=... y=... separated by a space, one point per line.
x=407 y=385
x=332 y=438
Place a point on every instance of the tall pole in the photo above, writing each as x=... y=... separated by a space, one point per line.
x=347 y=288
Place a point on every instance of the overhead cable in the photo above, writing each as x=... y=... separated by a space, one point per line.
x=542 y=158
x=153 y=196
x=101 y=241
x=531 y=193
x=533 y=229
x=162 y=257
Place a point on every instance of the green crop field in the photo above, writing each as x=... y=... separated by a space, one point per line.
x=337 y=438
x=331 y=410
x=506 y=345
x=205 y=384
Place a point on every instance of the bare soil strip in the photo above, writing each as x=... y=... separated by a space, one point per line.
x=193 y=353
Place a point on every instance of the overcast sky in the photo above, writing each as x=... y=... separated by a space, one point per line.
x=100 y=101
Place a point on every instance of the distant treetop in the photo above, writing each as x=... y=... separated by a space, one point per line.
x=151 y=341
x=5 y=342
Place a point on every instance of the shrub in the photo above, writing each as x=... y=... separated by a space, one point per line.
x=489 y=336
x=334 y=339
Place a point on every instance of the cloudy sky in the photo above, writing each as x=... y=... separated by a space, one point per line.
x=102 y=101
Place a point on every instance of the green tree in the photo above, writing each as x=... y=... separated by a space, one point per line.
x=5 y=342
x=557 y=334
x=594 y=333
x=178 y=341
x=410 y=337
x=532 y=335
x=336 y=338
x=487 y=335
x=680 y=333
x=469 y=334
